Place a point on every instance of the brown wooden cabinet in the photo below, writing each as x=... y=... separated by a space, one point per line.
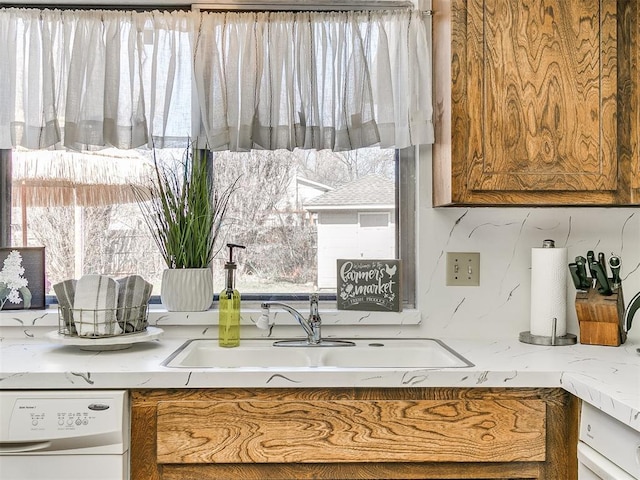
x=354 y=433
x=634 y=105
x=536 y=102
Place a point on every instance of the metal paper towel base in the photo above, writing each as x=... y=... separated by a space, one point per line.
x=568 y=339
x=553 y=340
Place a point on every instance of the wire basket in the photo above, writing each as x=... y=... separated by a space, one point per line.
x=109 y=322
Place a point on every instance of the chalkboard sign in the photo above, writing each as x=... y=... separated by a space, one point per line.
x=369 y=285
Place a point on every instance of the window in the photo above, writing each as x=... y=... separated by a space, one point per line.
x=374 y=220
x=297 y=210
x=89 y=222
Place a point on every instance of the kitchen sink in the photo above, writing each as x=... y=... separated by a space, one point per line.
x=422 y=353
x=251 y=353
x=367 y=353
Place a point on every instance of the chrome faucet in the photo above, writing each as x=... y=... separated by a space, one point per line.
x=311 y=326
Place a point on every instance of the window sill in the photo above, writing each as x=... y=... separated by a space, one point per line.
x=159 y=316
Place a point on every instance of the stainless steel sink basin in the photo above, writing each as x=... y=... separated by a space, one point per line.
x=367 y=353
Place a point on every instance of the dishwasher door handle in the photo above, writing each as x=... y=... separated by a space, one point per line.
x=22 y=447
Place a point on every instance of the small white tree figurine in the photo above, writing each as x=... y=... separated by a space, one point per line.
x=12 y=283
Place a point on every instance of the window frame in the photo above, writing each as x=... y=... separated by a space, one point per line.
x=5 y=198
x=406 y=221
x=405 y=227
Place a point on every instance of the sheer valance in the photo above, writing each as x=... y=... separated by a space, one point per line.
x=236 y=81
x=92 y=78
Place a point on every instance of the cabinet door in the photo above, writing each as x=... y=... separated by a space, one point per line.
x=350 y=431
x=538 y=115
x=373 y=433
x=634 y=104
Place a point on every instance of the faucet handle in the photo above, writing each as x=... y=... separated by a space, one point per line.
x=315 y=322
x=313 y=305
x=264 y=323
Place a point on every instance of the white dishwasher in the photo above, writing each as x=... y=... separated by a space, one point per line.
x=607 y=448
x=64 y=434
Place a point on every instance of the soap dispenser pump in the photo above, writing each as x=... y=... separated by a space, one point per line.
x=229 y=308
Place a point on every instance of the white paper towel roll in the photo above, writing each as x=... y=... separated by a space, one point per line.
x=548 y=291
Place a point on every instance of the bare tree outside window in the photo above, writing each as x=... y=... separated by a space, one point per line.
x=267 y=214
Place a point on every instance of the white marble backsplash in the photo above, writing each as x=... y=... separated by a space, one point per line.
x=500 y=306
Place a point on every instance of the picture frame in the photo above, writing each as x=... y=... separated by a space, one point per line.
x=22 y=278
x=369 y=285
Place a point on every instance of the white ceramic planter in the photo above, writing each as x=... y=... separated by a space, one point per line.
x=187 y=289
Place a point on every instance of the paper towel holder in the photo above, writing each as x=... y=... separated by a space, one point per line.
x=553 y=340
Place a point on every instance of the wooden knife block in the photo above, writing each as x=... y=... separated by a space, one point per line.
x=600 y=318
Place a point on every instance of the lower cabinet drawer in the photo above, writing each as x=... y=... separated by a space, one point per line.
x=315 y=431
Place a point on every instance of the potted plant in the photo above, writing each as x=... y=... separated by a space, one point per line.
x=184 y=211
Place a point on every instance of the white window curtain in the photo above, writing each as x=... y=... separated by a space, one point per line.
x=336 y=80
x=88 y=79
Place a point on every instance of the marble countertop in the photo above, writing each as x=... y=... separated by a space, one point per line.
x=607 y=377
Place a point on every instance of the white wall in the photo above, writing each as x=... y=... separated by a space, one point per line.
x=499 y=307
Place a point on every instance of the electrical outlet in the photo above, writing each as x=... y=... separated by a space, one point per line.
x=463 y=269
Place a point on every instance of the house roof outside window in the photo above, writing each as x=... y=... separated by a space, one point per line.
x=369 y=192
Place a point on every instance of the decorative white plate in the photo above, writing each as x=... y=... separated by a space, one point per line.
x=118 y=342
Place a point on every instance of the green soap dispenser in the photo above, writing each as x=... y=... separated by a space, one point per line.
x=229 y=308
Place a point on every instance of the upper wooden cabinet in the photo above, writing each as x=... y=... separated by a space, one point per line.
x=634 y=20
x=536 y=102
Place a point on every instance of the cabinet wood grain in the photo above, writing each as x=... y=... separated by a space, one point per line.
x=534 y=102
x=631 y=21
x=429 y=433
x=294 y=431
x=377 y=471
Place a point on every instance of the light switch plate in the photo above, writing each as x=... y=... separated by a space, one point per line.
x=463 y=269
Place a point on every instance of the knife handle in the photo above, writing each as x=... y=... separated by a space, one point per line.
x=603 y=282
x=581 y=263
x=615 y=264
x=573 y=269
x=591 y=257
x=603 y=263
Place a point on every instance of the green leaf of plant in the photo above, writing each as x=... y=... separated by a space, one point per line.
x=26 y=297
x=4 y=290
x=184 y=210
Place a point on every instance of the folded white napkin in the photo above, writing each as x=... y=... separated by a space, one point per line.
x=65 y=292
x=133 y=296
x=95 y=304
